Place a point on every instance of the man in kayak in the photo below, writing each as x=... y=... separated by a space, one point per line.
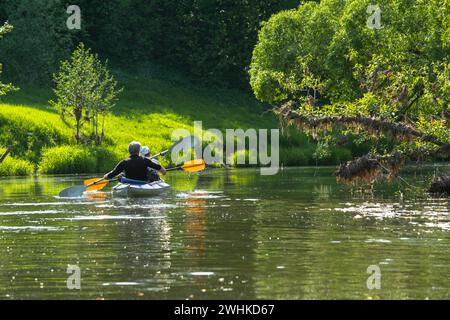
x=135 y=167
x=152 y=174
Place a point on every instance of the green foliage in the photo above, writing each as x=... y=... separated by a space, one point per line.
x=15 y=167
x=340 y=155
x=332 y=41
x=107 y=157
x=86 y=92
x=79 y=159
x=296 y=156
x=28 y=131
x=209 y=39
x=68 y=159
x=324 y=60
x=148 y=111
x=39 y=41
x=5 y=88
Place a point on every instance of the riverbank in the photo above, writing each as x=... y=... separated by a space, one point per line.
x=149 y=109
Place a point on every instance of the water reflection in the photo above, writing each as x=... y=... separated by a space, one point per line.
x=224 y=234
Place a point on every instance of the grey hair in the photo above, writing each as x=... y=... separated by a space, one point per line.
x=134 y=148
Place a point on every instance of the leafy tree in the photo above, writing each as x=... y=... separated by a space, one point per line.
x=210 y=39
x=5 y=88
x=85 y=91
x=328 y=72
x=39 y=41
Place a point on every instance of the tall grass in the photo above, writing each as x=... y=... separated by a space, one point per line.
x=28 y=130
x=68 y=159
x=16 y=167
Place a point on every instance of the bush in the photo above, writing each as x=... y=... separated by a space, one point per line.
x=16 y=167
x=295 y=156
x=79 y=159
x=340 y=155
x=28 y=131
x=68 y=159
x=233 y=159
x=40 y=39
x=106 y=158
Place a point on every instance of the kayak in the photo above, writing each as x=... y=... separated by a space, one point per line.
x=136 y=188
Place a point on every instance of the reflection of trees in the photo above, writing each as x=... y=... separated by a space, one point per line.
x=323 y=253
x=290 y=222
x=181 y=181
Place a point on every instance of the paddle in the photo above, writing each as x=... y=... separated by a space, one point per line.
x=77 y=191
x=90 y=186
x=191 y=166
x=185 y=143
x=8 y=150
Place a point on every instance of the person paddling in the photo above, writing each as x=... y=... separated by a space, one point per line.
x=152 y=174
x=135 y=167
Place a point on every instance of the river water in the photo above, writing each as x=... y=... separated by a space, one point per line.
x=226 y=234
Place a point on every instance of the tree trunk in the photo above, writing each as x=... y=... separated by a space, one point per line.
x=78 y=114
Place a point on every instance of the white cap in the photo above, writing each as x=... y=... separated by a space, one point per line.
x=145 y=151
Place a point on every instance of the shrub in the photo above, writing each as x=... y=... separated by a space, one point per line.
x=68 y=159
x=28 y=131
x=16 y=167
x=233 y=159
x=39 y=40
x=295 y=156
x=106 y=158
x=340 y=155
x=79 y=159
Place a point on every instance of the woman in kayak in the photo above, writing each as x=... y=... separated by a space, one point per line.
x=135 y=167
x=152 y=174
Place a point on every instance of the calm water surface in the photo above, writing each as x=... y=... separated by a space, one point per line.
x=226 y=234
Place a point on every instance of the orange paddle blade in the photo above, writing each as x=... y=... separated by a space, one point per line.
x=194 y=165
x=97 y=186
x=86 y=182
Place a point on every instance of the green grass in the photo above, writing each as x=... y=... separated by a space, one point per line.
x=15 y=167
x=149 y=109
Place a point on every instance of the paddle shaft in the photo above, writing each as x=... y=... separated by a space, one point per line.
x=94 y=183
x=183 y=167
x=163 y=153
x=173 y=169
x=160 y=154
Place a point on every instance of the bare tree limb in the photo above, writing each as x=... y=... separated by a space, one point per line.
x=398 y=130
x=8 y=150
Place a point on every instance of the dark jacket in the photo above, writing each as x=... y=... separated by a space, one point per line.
x=135 y=167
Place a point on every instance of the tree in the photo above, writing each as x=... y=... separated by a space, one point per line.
x=39 y=41
x=210 y=39
x=5 y=88
x=325 y=70
x=85 y=91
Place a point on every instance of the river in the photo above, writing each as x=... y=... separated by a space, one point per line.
x=226 y=234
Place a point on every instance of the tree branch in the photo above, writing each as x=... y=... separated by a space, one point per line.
x=397 y=130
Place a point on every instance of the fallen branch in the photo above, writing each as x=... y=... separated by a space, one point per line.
x=372 y=125
x=8 y=150
x=440 y=185
x=368 y=168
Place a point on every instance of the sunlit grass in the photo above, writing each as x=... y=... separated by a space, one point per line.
x=148 y=111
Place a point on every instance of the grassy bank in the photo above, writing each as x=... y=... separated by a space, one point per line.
x=150 y=108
